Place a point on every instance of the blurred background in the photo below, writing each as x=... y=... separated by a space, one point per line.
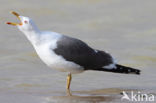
x=124 y=28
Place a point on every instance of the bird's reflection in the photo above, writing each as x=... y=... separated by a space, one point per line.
x=93 y=96
x=79 y=99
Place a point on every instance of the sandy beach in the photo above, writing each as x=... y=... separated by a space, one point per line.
x=124 y=28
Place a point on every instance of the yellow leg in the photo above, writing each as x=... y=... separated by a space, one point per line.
x=69 y=78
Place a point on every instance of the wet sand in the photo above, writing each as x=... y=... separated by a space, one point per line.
x=124 y=28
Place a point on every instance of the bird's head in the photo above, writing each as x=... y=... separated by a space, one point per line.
x=26 y=24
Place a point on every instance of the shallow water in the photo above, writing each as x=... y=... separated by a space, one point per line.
x=124 y=28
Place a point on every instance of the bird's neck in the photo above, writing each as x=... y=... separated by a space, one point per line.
x=33 y=36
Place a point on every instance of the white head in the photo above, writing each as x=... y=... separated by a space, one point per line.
x=25 y=25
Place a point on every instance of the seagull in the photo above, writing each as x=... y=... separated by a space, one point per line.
x=67 y=54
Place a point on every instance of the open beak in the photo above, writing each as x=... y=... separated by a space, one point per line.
x=18 y=16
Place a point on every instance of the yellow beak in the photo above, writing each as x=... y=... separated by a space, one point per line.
x=18 y=16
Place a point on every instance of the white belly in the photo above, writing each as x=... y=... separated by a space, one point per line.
x=56 y=61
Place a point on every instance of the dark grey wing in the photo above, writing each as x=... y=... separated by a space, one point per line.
x=77 y=51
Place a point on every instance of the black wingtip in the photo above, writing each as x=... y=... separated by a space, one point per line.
x=128 y=70
x=138 y=72
x=122 y=69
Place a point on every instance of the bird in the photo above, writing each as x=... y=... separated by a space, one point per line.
x=68 y=54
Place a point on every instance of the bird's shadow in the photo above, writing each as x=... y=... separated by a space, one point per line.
x=93 y=96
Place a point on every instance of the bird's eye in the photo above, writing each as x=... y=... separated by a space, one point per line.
x=26 y=22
